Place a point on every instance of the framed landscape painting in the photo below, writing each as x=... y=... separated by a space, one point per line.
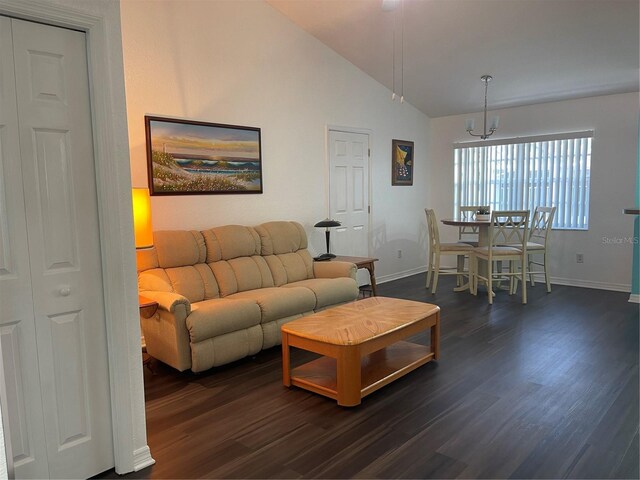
x=401 y=162
x=187 y=157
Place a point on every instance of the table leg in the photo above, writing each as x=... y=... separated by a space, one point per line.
x=372 y=278
x=435 y=338
x=349 y=376
x=286 y=364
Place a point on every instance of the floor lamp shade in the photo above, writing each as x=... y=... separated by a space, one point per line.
x=142 y=217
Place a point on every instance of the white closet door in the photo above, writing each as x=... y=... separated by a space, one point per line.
x=60 y=207
x=17 y=327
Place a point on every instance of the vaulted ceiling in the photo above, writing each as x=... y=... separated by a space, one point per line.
x=536 y=50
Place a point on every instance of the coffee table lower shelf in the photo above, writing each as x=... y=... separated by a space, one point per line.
x=377 y=369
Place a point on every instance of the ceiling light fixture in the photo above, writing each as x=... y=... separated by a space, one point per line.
x=470 y=123
x=390 y=6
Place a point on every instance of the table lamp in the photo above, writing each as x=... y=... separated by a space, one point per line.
x=327 y=224
x=142 y=218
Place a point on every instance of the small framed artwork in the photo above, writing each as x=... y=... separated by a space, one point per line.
x=186 y=157
x=401 y=162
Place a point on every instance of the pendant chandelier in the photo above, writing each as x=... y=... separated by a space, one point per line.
x=470 y=123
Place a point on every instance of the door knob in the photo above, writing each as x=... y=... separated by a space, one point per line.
x=65 y=291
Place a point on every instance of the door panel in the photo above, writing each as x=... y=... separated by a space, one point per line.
x=54 y=191
x=339 y=181
x=63 y=256
x=70 y=383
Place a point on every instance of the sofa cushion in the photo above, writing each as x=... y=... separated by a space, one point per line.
x=290 y=267
x=241 y=274
x=281 y=237
x=178 y=248
x=276 y=303
x=215 y=317
x=271 y=334
x=155 y=279
x=225 y=348
x=329 y=291
x=231 y=241
x=195 y=282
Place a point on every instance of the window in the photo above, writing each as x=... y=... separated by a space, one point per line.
x=523 y=173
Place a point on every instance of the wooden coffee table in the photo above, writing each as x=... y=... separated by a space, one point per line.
x=362 y=346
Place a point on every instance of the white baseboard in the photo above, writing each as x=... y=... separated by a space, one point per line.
x=572 y=282
x=399 y=275
x=142 y=458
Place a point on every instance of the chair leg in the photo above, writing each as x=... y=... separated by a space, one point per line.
x=459 y=268
x=531 y=276
x=429 y=270
x=473 y=279
x=436 y=270
x=524 y=280
x=490 y=281
x=546 y=272
x=511 y=277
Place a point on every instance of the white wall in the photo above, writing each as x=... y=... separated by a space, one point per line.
x=244 y=63
x=614 y=118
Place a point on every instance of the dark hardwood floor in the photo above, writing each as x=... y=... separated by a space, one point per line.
x=544 y=390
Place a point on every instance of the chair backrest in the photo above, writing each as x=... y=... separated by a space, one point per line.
x=509 y=227
x=432 y=224
x=469 y=212
x=541 y=224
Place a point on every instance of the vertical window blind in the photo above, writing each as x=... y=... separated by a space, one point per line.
x=524 y=173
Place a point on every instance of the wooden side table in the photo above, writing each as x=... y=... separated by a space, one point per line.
x=362 y=262
x=148 y=309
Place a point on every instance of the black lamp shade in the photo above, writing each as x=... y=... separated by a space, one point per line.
x=328 y=223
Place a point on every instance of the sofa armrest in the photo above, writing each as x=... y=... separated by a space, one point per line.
x=168 y=301
x=165 y=333
x=334 y=269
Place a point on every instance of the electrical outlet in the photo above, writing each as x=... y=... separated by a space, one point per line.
x=399 y=253
x=579 y=258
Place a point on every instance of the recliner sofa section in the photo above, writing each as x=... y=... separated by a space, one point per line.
x=223 y=293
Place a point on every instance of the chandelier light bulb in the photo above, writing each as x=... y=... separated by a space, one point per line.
x=470 y=124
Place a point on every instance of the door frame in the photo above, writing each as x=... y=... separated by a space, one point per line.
x=113 y=184
x=369 y=133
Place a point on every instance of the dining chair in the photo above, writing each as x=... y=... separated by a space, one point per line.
x=508 y=236
x=437 y=249
x=468 y=234
x=538 y=242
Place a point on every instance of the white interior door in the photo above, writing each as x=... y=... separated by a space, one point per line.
x=52 y=324
x=17 y=326
x=349 y=197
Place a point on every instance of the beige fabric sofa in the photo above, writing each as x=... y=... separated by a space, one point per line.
x=223 y=293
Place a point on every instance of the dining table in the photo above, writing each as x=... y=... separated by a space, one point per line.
x=482 y=225
x=483 y=240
